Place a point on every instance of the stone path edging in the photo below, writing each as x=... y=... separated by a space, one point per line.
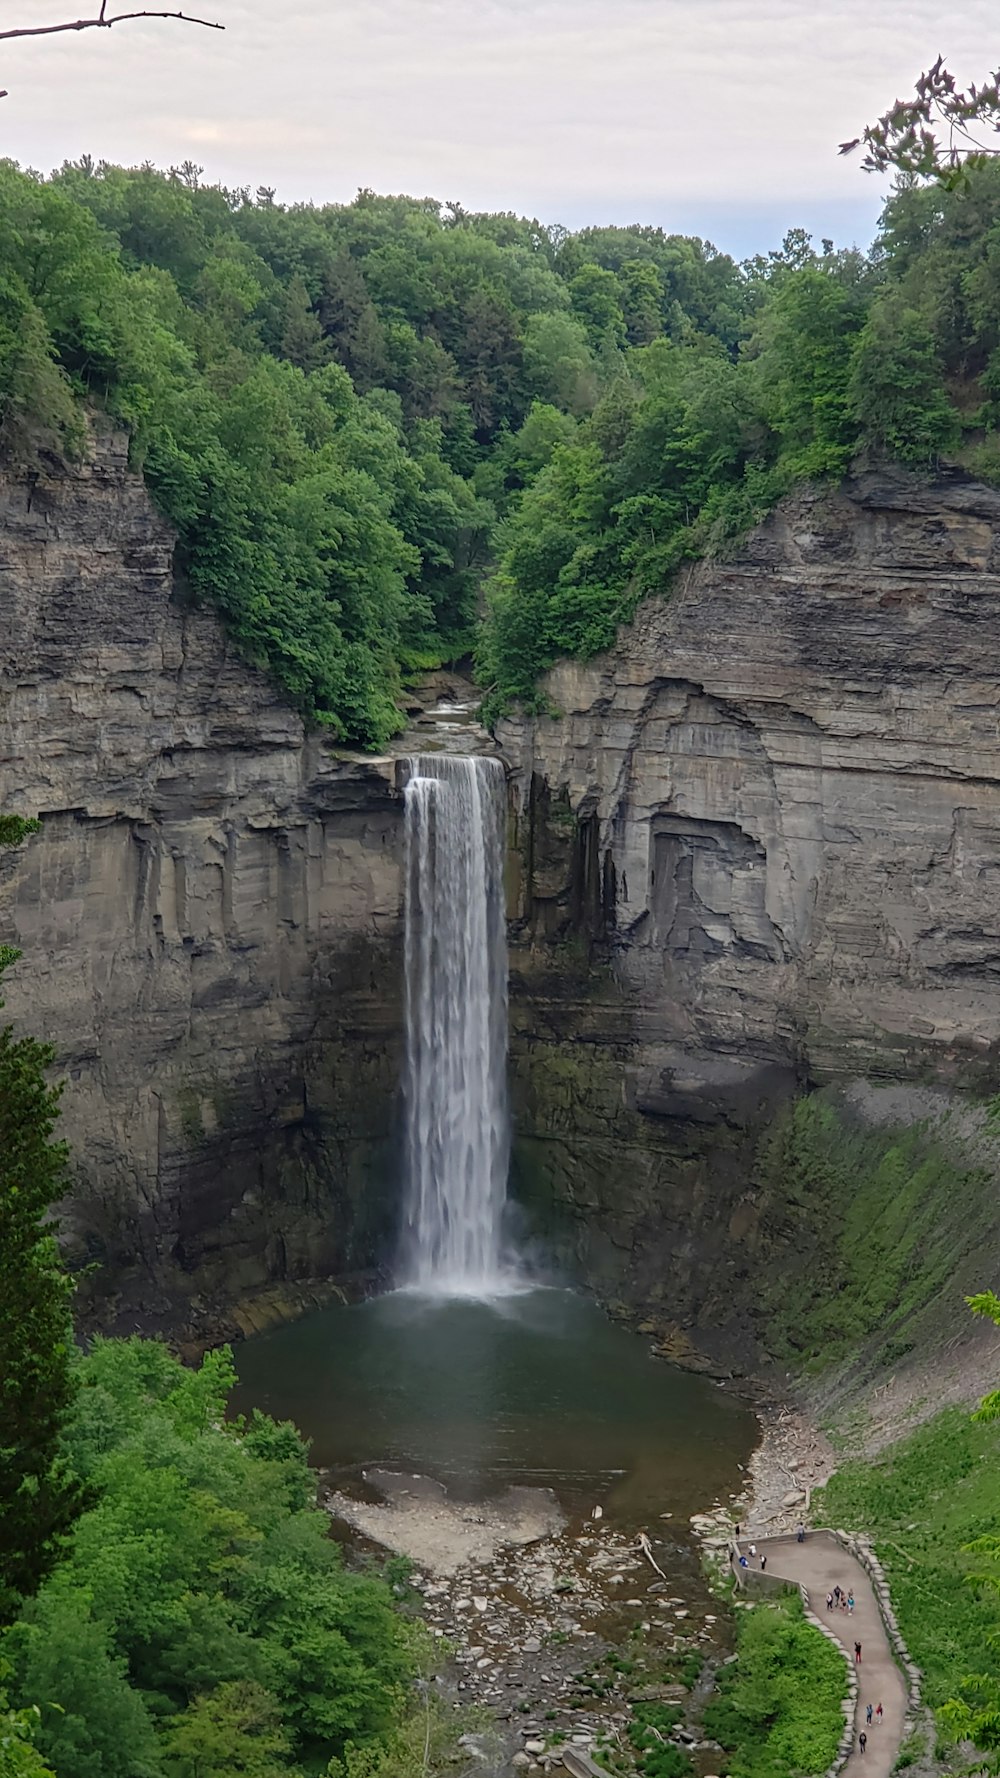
x=861 y=1549
x=895 y=1652
x=850 y=1704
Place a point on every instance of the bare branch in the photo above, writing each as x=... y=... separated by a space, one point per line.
x=102 y=22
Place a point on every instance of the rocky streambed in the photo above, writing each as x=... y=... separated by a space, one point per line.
x=558 y=1630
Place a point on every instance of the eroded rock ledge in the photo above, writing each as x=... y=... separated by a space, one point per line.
x=772 y=813
x=209 y=921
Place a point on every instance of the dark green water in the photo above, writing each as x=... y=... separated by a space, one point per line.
x=537 y=1389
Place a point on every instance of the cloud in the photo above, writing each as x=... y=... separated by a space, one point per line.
x=562 y=108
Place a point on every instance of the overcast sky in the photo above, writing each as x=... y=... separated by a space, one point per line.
x=715 y=117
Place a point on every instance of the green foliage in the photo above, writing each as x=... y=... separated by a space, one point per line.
x=19 y=1758
x=39 y=1499
x=203 y=1622
x=236 y=1729
x=864 y=1229
x=777 y=1710
x=648 y=1729
x=354 y=415
x=987 y=1304
x=896 y=387
x=932 y=1507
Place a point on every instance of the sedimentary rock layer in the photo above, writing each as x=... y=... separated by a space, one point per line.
x=774 y=810
x=209 y=919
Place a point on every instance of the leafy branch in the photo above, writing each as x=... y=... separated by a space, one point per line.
x=934 y=134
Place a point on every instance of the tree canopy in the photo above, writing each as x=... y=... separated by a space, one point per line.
x=391 y=432
x=203 y=1623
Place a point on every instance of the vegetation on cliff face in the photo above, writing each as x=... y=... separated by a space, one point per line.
x=349 y=412
x=864 y=1230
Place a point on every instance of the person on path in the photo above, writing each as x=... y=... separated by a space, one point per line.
x=857 y=1654
x=753 y=1549
x=850 y=1604
x=836 y=1594
x=743 y=1562
x=862 y=1740
x=763 y=1563
x=829 y=1602
x=878 y=1714
x=868 y=1716
x=800 y=1535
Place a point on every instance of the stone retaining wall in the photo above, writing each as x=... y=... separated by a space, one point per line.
x=861 y=1549
x=773 y=1583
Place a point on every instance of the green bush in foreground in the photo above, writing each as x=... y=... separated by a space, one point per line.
x=203 y=1624
x=933 y=1509
x=778 y=1710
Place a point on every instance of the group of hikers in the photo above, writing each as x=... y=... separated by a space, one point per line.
x=869 y=1715
x=839 y=1600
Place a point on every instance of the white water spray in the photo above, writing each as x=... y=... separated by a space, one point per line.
x=457 y=1133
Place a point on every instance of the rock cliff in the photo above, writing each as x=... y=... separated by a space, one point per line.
x=209 y=920
x=771 y=818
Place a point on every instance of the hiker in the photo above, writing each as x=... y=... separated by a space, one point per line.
x=800 y=1535
x=868 y=1716
x=850 y=1604
x=862 y=1740
x=763 y=1563
x=753 y=1549
x=836 y=1594
x=743 y=1562
x=829 y=1602
x=878 y=1714
x=857 y=1654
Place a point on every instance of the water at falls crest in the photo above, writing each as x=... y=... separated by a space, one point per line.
x=456 y=1027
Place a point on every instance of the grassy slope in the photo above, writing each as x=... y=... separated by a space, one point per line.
x=870 y=1234
x=931 y=1496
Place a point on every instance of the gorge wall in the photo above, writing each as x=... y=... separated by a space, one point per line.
x=209 y=920
x=756 y=845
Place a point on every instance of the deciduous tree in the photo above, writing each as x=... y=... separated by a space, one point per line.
x=39 y=1499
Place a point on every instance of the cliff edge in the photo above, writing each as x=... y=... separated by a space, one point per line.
x=209 y=919
x=772 y=813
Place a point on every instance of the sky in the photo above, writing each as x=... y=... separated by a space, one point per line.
x=712 y=117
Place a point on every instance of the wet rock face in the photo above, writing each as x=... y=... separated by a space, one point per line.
x=210 y=920
x=772 y=814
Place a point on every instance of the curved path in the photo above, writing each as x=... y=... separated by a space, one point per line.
x=820 y=1564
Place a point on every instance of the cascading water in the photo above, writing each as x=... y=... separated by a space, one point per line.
x=456 y=1027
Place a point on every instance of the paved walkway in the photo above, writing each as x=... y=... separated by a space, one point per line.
x=820 y=1564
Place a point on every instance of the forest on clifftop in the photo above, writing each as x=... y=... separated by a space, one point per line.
x=391 y=433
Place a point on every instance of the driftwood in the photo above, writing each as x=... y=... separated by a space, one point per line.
x=580 y=1764
x=647 y=1549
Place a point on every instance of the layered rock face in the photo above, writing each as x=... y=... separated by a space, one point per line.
x=210 y=919
x=773 y=811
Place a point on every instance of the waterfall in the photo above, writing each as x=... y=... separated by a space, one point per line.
x=456 y=1026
